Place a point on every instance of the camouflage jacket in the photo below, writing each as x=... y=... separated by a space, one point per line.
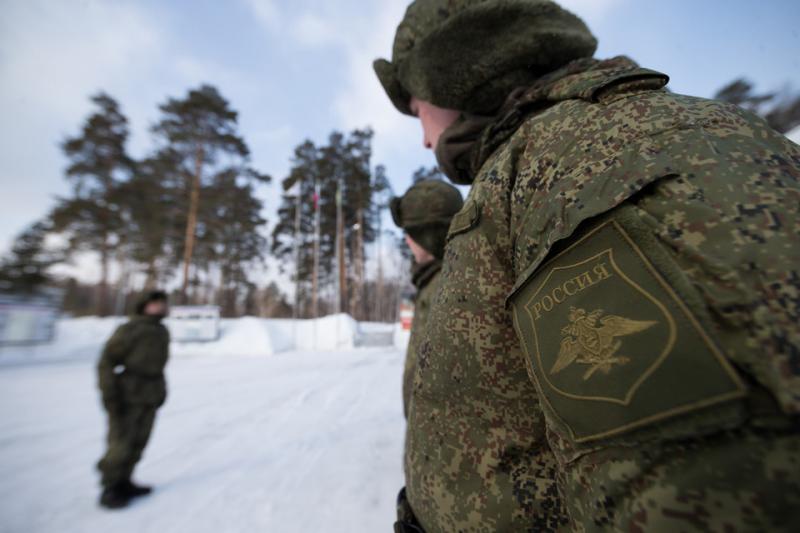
x=131 y=367
x=426 y=279
x=616 y=341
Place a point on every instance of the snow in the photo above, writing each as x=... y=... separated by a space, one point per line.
x=252 y=438
x=401 y=337
x=78 y=338
x=794 y=135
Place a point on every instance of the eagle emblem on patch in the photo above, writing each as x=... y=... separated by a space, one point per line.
x=593 y=339
x=610 y=339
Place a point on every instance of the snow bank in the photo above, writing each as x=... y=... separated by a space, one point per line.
x=794 y=135
x=83 y=338
x=334 y=332
x=241 y=337
x=75 y=339
x=401 y=337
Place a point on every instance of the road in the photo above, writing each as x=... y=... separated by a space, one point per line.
x=299 y=441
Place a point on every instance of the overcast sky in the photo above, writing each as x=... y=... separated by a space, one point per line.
x=301 y=68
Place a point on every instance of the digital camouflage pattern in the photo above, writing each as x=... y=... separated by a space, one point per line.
x=132 y=385
x=426 y=280
x=616 y=341
x=424 y=212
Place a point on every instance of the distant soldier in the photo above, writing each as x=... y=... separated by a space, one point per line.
x=615 y=343
x=424 y=212
x=132 y=384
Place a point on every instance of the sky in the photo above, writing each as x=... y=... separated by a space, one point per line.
x=299 y=69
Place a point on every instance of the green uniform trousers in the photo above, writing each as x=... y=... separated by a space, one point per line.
x=128 y=432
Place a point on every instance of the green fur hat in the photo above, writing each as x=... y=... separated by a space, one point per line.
x=470 y=54
x=425 y=212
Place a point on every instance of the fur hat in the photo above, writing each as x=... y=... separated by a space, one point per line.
x=153 y=296
x=469 y=55
x=425 y=212
x=425 y=203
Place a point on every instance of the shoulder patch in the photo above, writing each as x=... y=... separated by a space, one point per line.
x=611 y=342
x=466 y=219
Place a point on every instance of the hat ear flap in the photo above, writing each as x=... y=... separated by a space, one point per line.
x=387 y=75
x=395 y=209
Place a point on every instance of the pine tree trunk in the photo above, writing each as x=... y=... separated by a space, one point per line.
x=102 y=288
x=296 y=310
x=358 y=263
x=315 y=276
x=152 y=276
x=340 y=252
x=379 y=293
x=191 y=221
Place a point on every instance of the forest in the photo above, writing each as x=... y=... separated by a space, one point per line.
x=189 y=217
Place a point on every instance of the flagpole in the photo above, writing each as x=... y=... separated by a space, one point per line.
x=297 y=218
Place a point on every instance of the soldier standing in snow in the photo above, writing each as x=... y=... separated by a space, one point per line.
x=424 y=212
x=132 y=385
x=615 y=344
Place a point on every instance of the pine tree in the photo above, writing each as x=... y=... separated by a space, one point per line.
x=98 y=165
x=202 y=130
x=423 y=173
x=340 y=169
x=26 y=268
x=781 y=110
x=294 y=234
x=154 y=210
x=232 y=240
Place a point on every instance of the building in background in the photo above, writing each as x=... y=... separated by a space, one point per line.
x=28 y=319
x=193 y=323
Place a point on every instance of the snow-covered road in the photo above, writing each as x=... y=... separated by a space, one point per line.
x=305 y=442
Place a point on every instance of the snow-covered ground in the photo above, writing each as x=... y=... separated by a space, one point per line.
x=794 y=135
x=249 y=439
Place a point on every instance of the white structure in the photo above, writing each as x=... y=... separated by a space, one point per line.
x=27 y=320
x=193 y=323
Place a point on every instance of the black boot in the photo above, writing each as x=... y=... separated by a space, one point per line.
x=133 y=490
x=114 y=497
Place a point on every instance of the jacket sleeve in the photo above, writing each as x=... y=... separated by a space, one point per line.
x=114 y=354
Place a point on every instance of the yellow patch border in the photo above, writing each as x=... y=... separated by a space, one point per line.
x=740 y=391
x=673 y=334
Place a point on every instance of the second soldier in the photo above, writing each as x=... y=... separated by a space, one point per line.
x=424 y=212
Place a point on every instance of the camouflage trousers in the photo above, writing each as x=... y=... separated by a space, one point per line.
x=128 y=432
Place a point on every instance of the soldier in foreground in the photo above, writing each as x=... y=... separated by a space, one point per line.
x=424 y=212
x=132 y=385
x=615 y=344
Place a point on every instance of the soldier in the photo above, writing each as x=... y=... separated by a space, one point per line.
x=131 y=380
x=616 y=339
x=424 y=212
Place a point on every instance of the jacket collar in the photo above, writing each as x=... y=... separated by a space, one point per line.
x=421 y=275
x=470 y=141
